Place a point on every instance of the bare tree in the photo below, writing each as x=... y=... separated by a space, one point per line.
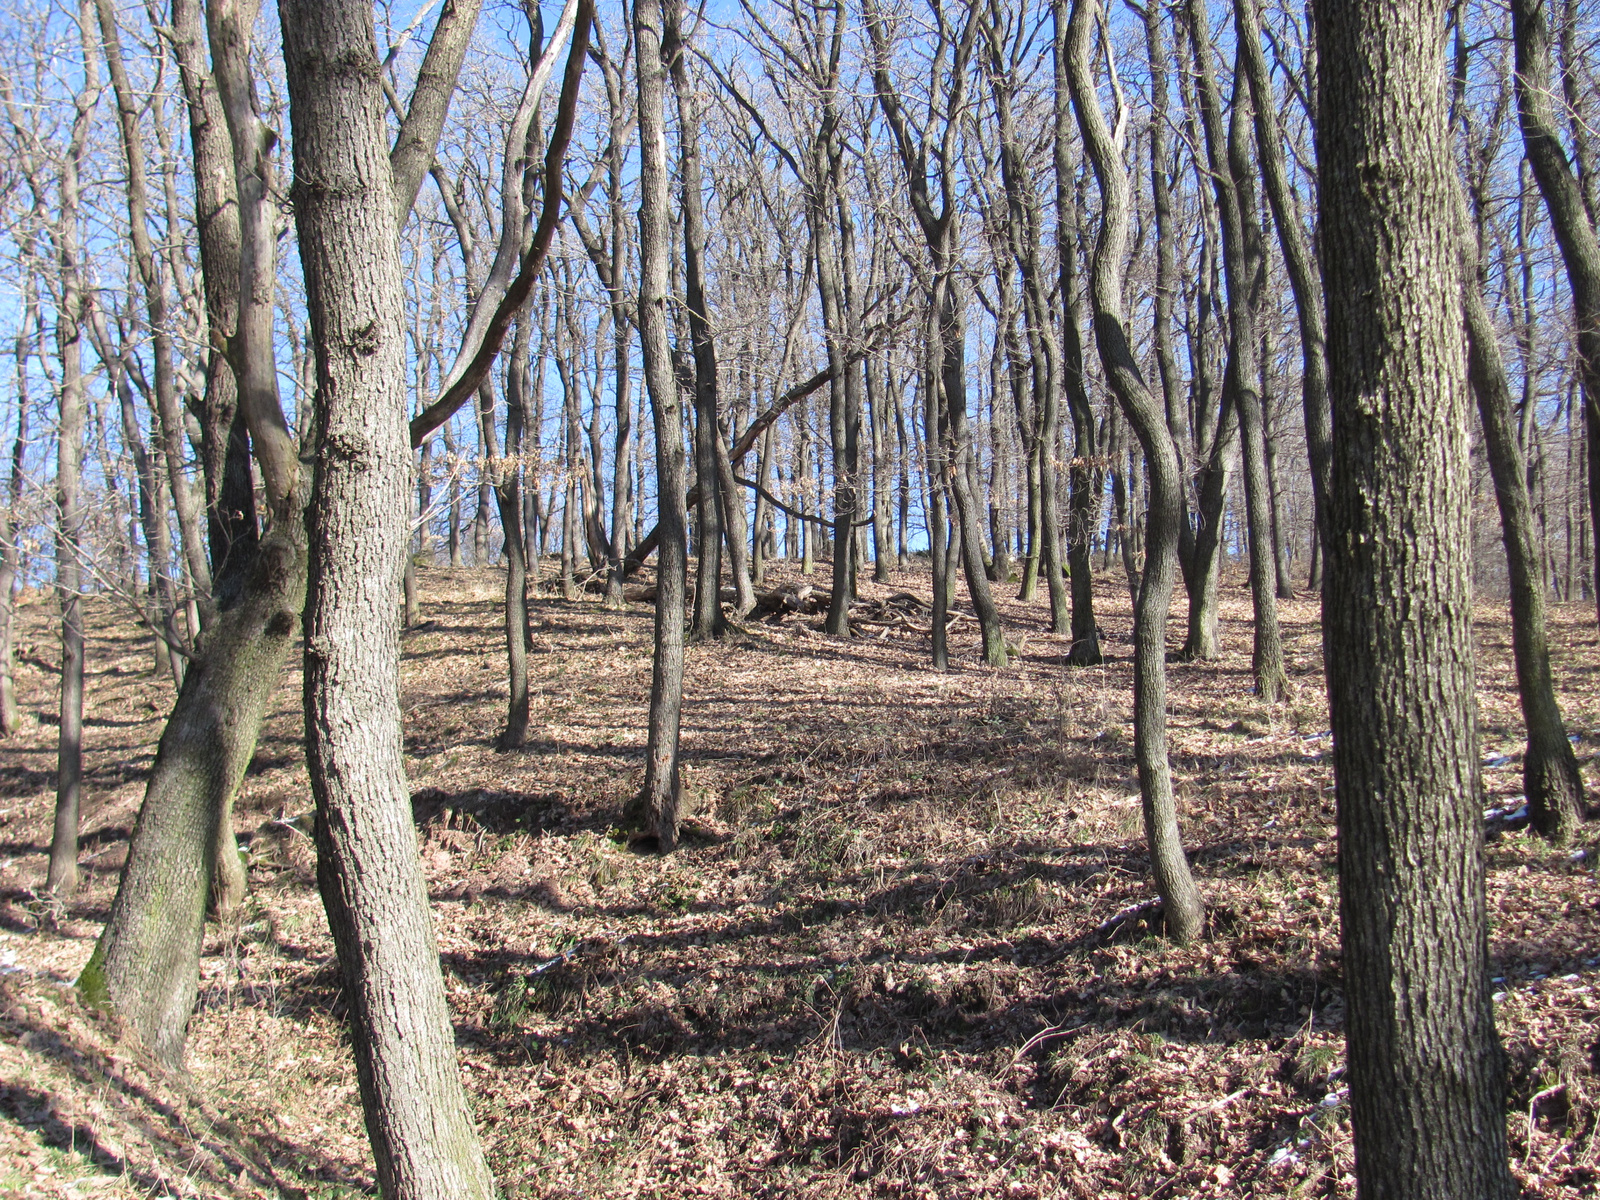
x=1183 y=908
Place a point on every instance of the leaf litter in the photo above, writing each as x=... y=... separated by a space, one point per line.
x=909 y=947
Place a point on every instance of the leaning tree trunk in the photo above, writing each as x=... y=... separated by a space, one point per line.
x=146 y=965
x=1183 y=908
x=1574 y=229
x=1299 y=262
x=660 y=794
x=1551 y=781
x=1426 y=1068
x=423 y=1140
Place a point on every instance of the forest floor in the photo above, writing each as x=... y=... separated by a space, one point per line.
x=901 y=952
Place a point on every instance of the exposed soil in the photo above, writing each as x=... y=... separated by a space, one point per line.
x=906 y=949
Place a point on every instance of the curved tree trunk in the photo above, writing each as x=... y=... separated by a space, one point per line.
x=1299 y=262
x=422 y=1135
x=1574 y=230
x=146 y=963
x=1181 y=902
x=1426 y=1068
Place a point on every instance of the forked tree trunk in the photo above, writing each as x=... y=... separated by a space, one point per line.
x=1181 y=902
x=1426 y=1068
x=423 y=1140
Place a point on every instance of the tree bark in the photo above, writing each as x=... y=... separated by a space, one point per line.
x=508 y=498
x=1299 y=262
x=1551 y=781
x=62 y=876
x=709 y=621
x=1181 y=902
x=146 y=964
x=10 y=552
x=1426 y=1073
x=423 y=1140
x=1085 y=472
x=660 y=794
x=1569 y=218
x=940 y=232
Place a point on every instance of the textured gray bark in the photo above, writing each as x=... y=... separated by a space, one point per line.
x=1426 y=1072
x=1181 y=902
x=146 y=965
x=423 y=1140
x=660 y=794
x=414 y=145
x=225 y=448
x=251 y=350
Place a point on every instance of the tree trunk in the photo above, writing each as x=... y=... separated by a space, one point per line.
x=660 y=794
x=508 y=498
x=936 y=455
x=423 y=1140
x=1426 y=1074
x=146 y=964
x=1181 y=903
x=62 y=878
x=63 y=873
x=1570 y=220
x=1298 y=260
x=709 y=621
x=10 y=553
x=879 y=379
x=1551 y=781
x=1085 y=473
x=1276 y=487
